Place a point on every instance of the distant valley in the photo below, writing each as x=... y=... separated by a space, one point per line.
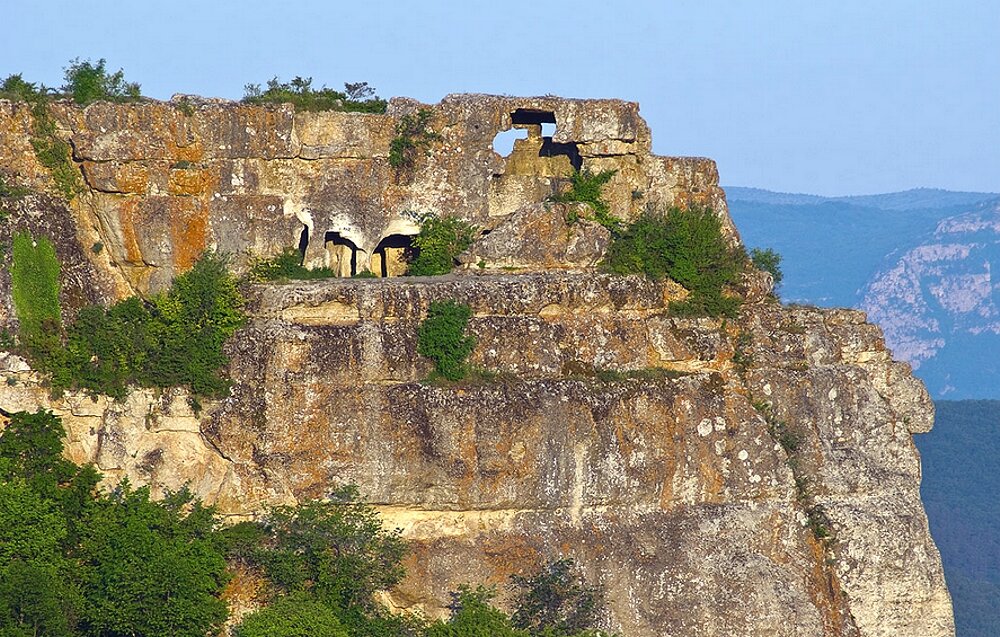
x=919 y=262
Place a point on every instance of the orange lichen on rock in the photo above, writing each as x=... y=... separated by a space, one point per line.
x=188 y=230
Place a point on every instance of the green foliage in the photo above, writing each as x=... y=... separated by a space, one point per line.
x=292 y=616
x=472 y=615
x=50 y=150
x=31 y=528
x=440 y=240
x=769 y=261
x=34 y=278
x=333 y=549
x=557 y=601
x=174 y=339
x=442 y=338
x=37 y=598
x=150 y=568
x=88 y=82
x=185 y=106
x=687 y=246
x=15 y=88
x=587 y=187
x=285 y=266
x=356 y=97
x=413 y=135
x=73 y=562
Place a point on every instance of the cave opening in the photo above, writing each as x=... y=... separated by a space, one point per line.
x=303 y=244
x=342 y=254
x=392 y=254
x=541 y=127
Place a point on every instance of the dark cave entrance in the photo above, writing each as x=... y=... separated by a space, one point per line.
x=392 y=254
x=342 y=254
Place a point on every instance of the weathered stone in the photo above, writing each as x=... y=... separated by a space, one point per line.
x=640 y=443
x=541 y=237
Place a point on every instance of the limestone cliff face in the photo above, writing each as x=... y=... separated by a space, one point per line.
x=672 y=485
x=164 y=182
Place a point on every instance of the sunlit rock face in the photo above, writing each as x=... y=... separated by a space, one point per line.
x=164 y=182
x=654 y=449
x=939 y=302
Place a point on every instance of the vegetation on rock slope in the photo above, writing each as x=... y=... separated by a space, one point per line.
x=687 y=246
x=172 y=339
x=355 y=98
x=78 y=561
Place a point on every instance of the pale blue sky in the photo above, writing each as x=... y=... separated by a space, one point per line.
x=846 y=97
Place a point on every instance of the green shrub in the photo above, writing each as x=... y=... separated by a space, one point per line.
x=356 y=97
x=412 y=136
x=15 y=88
x=286 y=266
x=472 y=615
x=769 y=261
x=334 y=549
x=174 y=339
x=587 y=187
x=442 y=338
x=12 y=190
x=557 y=601
x=440 y=240
x=150 y=568
x=88 y=82
x=687 y=246
x=292 y=616
x=74 y=562
x=34 y=278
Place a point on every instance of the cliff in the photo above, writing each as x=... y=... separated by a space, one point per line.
x=754 y=476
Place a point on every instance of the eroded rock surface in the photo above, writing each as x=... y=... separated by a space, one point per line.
x=640 y=443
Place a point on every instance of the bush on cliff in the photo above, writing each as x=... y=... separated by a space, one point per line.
x=49 y=148
x=88 y=82
x=440 y=240
x=587 y=187
x=413 y=134
x=34 y=278
x=442 y=338
x=173 y=339
x=292 y=616
x=769 y=261
x=356 y=97
x=557 y=601
x=686 y=245
x=77 y=562
x=285 y=266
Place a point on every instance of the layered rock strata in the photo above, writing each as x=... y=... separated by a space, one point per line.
x=651 y=448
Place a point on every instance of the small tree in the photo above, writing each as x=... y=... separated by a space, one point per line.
x=413 y=135
x=335 y=550
x=440 y=240
x=150 y=568
x=88 y=82
x=768 y=260
x=687 y=246
x=557 y=601
x=472 y=615
x=442 y=338
x=587 y=187
x=292 y=616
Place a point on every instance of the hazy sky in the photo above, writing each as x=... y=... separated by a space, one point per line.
x=845 y=97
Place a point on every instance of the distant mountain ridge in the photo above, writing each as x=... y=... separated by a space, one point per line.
x=920 y=262
x=915 y=198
